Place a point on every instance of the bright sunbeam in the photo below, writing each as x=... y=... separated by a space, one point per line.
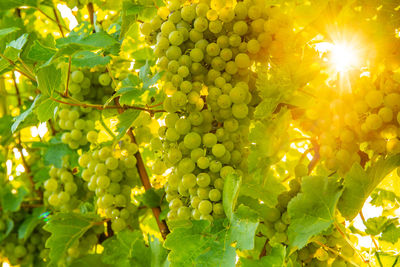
x=343 y=57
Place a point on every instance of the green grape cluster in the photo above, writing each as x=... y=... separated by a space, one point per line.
x=208 y=51
x=61 y=189
x=78 y=122
x=28 y=251
x=378 y=106
x=111 y=174
x=276 y=219
x=88 y=85
x=369 y=127
x=333 y=253
x=78 y=125
x=85 y=244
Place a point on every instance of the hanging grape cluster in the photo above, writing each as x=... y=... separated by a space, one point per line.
x=111 y=174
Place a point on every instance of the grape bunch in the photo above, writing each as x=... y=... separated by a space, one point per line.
x=78 y=122
x=29 y=251
x=78 y=125
x=333 y=252
x=90 y=85
x=370 y=127
x=85 y=244
x=207 y=50
x=61 y=189
x=378 y=107
x=111 y=174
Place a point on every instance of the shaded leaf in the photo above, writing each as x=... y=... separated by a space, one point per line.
x=312 y=211
x=12 y=198
x=66 y=229
x=49 y=79
x=359 y=184
x=275 y=259
x=30 y=223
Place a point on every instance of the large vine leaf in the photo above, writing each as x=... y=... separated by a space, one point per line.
x=313 y=210
x=200 y=244
x=274 y=259
x=126 y=249
x=89 y=260
x=30 y=222
x=66 y=229
x=10 y=200
x=359 y=184
x=264 y=187
x=49 y=79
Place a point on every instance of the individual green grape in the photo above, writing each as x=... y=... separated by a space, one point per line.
x=77 y=76
x=205 y=207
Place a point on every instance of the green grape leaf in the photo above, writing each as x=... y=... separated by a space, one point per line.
x=313 y=210
x=391 y=234
x=264 y=187
x=143 y=54
x=231 y=194
x=12 y=51
x=23 y=116
x=150 y=198
x=9 y=228
x=5 y=129
x=47 y=109
x=376 y=225
x=49 y=79
x=39 y=52
x=55 y=150
x=125 y=121
x=11 y=198
x=387 y=259
x=359 y=184
x=82 y=38
x=158 y=253
x=89 y=261
x=17 y=3
x=66 y=229
x=380 y=197
x=146 y=76
x=30 y=222
x=243 y=226
x=266 y=107
x=6 y=31
x=200 y=243
x=83 y=59
x=126 y=248
x=274 y=259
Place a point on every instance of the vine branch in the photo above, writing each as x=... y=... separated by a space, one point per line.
x=144 y=178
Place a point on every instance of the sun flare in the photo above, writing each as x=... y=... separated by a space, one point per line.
x=343 y=57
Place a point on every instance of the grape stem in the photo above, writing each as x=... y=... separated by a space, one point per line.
x=16 y=90
x=264 y=249
x=144 y=178
x=91 y=14
x=372 y=238
x=58 y=21
x=351 y=244
x=27 y=168
x=335 y=252
x=101 y=107
x=68 y=77
x=50 y=18
x=17 y=69
x=315 y=159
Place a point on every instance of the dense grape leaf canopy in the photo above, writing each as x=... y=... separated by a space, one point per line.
x=212 y=133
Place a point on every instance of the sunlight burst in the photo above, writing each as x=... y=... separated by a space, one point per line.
x=343 y=57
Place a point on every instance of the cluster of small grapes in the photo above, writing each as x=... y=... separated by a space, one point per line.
x=85 y=244
x=61 y=189
x=333 y=253
x=207 y=50
x=276 y=219
x=336 y=130
x=25 y=252
x=78 y=122
x=370 y=125
x=112 y=174
x=378 y=107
